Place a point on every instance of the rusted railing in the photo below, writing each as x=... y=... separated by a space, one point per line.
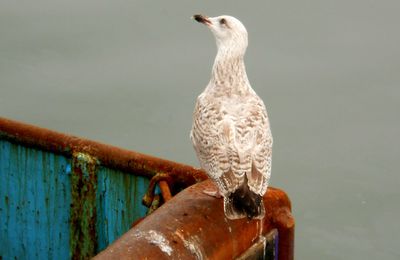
x=109 y=156
x=190 y=225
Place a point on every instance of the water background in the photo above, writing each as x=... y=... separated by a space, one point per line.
x=127 y=73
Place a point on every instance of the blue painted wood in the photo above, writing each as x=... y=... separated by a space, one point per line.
x=119 y=203
x=34 y=203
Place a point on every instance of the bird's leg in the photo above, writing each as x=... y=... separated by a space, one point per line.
x=213 y=192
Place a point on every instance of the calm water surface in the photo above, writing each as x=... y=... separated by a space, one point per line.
x=127 y=73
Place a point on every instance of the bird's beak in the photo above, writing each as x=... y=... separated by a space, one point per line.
x=202 y=19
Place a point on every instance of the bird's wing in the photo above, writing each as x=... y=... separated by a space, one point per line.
x=230 y=145
x=212 y=136
x=251 y=145
x=258 y=177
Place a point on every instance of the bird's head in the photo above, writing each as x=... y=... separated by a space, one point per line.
x=229 y=32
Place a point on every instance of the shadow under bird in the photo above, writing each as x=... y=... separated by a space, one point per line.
x=231 y=132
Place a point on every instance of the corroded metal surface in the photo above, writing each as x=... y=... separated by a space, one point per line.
x=149 y=197
x=165 y=191
x=109 y=156
x=83 y=235
x=192 y=225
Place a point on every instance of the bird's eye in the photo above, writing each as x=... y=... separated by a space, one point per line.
x=222 y=21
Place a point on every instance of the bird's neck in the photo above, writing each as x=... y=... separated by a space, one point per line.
x=229 y=72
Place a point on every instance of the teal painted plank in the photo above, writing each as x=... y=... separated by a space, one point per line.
x=35 y=203
x=119 y=203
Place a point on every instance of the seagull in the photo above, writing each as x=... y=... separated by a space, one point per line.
x=231 y=133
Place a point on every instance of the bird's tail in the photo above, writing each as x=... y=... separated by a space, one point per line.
x=244 y=203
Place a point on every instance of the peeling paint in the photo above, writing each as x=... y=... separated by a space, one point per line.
x=192 y=244
x=157 y=239
x=193 y=247
x=83 y=239
x=118 y=203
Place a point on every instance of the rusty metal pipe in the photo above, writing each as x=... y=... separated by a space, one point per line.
x=193 y=225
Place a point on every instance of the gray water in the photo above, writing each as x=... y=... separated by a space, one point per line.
x=127 y=73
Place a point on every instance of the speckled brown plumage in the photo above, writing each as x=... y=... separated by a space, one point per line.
x=231 y=132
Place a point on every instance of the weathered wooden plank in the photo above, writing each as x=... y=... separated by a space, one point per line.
x=119 y=204
x=35 y=199
x=57 y=207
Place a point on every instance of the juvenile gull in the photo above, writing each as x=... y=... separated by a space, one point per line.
x=231 y=133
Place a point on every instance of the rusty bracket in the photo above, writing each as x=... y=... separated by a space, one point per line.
x=165 y=191
x=162 y=179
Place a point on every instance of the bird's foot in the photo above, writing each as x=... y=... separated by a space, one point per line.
x=213 y=193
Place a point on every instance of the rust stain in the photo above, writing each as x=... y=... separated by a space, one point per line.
x=83 y=238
